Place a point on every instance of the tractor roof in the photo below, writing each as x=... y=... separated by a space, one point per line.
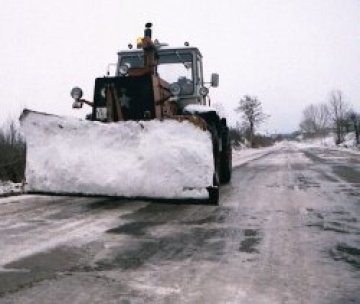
x=161 y=49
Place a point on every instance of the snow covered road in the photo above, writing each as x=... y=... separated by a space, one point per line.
x=287 y=231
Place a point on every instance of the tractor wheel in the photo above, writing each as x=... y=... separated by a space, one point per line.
x=226 y=160
x=214 y=191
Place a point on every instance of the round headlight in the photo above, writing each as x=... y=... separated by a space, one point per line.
x=76 y=93
x=175 y=89
x=203 y=91
x=123 y=69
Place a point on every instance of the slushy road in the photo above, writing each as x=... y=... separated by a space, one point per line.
x=287 y=230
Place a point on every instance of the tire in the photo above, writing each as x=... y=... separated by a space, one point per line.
x=215 y=127
x=214 y=191
x=226 y=172
x=226 y=159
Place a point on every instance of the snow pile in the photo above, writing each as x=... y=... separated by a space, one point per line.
x=349 y=141
x=168 y=159
x=7 y=187
x=196 y=108
x=329 y=141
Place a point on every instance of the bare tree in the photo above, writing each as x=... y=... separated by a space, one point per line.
x=309 y=121
x=323 y=118
x=338 y=110
x=315 y=119
x=354 y=118
x=252 y=113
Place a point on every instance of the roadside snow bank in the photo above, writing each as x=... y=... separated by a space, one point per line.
x=349 y=144
x=166 y=159
x=7 y=187
x=350 y=141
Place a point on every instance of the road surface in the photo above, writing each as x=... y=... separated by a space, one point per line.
x=287 y=231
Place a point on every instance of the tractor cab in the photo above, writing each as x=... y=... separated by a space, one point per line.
x=180 y=67
x=151 y=81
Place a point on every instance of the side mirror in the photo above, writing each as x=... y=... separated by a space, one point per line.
x=214 y=80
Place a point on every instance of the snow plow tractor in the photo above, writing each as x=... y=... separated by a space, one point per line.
x=151 y=132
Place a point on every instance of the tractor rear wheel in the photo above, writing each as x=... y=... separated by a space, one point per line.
x=226 y=159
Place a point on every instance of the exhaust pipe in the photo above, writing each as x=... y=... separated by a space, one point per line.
x=147 y=32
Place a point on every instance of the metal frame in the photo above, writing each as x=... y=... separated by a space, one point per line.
x=197 y=56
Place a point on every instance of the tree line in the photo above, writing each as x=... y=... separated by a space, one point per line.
x=336 y=116
x=12 y=153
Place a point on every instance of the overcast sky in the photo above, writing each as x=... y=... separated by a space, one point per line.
x=287 y=53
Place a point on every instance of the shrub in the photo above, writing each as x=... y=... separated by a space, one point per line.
x=12 y=153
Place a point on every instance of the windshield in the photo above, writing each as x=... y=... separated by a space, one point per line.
x=174 y=66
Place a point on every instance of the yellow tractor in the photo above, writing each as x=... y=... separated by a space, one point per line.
x=156 y=89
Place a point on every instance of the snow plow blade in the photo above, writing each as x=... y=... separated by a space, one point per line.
x=153 y=159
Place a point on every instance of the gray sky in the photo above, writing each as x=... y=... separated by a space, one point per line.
x=287 y=53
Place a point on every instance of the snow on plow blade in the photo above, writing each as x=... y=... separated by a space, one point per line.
x=155 y=159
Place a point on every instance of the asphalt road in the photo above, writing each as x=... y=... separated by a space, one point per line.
x=287 y=231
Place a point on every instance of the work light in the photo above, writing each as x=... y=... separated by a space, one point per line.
x=175 y=89
x=76 y=93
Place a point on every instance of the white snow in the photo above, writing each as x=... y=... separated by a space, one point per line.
x=350 y=141
x=167 y=159
x=349 y=144
x=196 y=108
x=8 y=187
